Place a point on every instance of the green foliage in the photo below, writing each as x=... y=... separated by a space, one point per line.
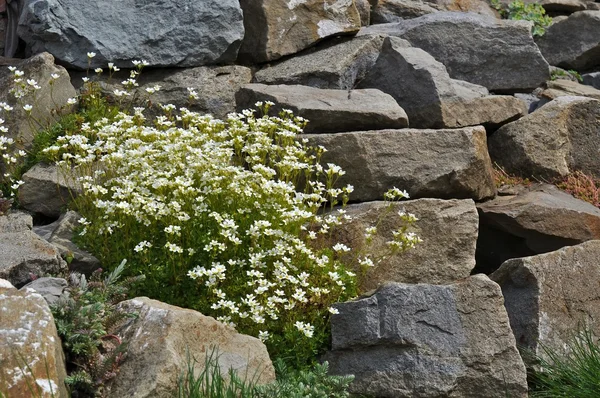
x=84 y=321
x=575 y=374
x=558 y=73
x=211 y=383
x=518 y=10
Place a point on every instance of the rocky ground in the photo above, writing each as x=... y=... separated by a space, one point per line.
x=422 y=95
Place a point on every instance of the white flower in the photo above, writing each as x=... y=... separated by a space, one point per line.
x=91 y=55
x=72 y=101
x=98 y=70
x=305 y=328
x=263 y=335
x=54 y=76
x=85 y=79
x=340 y=247
x=334 y=311
x=27 y=108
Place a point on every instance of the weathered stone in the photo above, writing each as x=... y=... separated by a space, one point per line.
x=473 y=6
x=497 y=54
x=45 y=231
x=573 y=43
x=428 y=341
x=215 y=86
x=550 y=296
x=275 y=28
x=533 y=220
x=562 y=6
x=160 y=338
x=51 y=289
x=44 y=101
x=423 y=88
x=31 y=354
x=558 y=138
x=329 y=111
x=386 y=11
x=448 y=229
x=164 y=33
x=563 y=88
x=364 y=11
x=46 y=190
x=446 y=164
x=592 y=79
x=23 y=254
x=15 y=222
x=62 y=238
x=316 y=67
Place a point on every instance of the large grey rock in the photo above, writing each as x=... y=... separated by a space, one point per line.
x=557 y=139
x=338 y=64
x=447 y=164
x=550 y=296
x=532 y=220
x=62 y=238
x=448 y=229
x=51 y=289
x=329 y=111
x=497 y=54
x=573 y=43
x=562 y=6
x=31 y=355
x=45 y=101
x=164 y=33
x=423 y=88
x=160 y=338
x=428 y=341
x=46 y=190
x=592 y=79
x=23 y=253
x=275 y=28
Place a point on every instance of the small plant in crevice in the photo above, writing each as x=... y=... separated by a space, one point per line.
x=85 y=321
x=502 y=178
x=570 y=74
x=573 y=373
x=519 y=10
x=582 y=186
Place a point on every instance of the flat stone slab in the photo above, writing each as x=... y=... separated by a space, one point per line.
x=445 y=164
x=328 y=111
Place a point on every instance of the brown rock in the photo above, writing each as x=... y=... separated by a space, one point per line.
x=275 y=28
x=555 y=140
x=562 y=88
x=31 y=354
x=446 y=164
x=534 y=220
x=448 y=229
x=160 y=338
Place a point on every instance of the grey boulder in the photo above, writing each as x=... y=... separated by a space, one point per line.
x=532 y=220
x=574 y=42
x=428 y=341
x=51 y=289
x=557 y=139
x=445 y=164
x=592 y=79
x=497 y=54
x=328 y=111
x=46 y=190
x=448 y=229
x=338 y=64
x=164 y=33
x=422 y=87
x=550 y=296
x=24 y=255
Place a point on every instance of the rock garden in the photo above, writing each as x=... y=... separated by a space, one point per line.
x=300 y=199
